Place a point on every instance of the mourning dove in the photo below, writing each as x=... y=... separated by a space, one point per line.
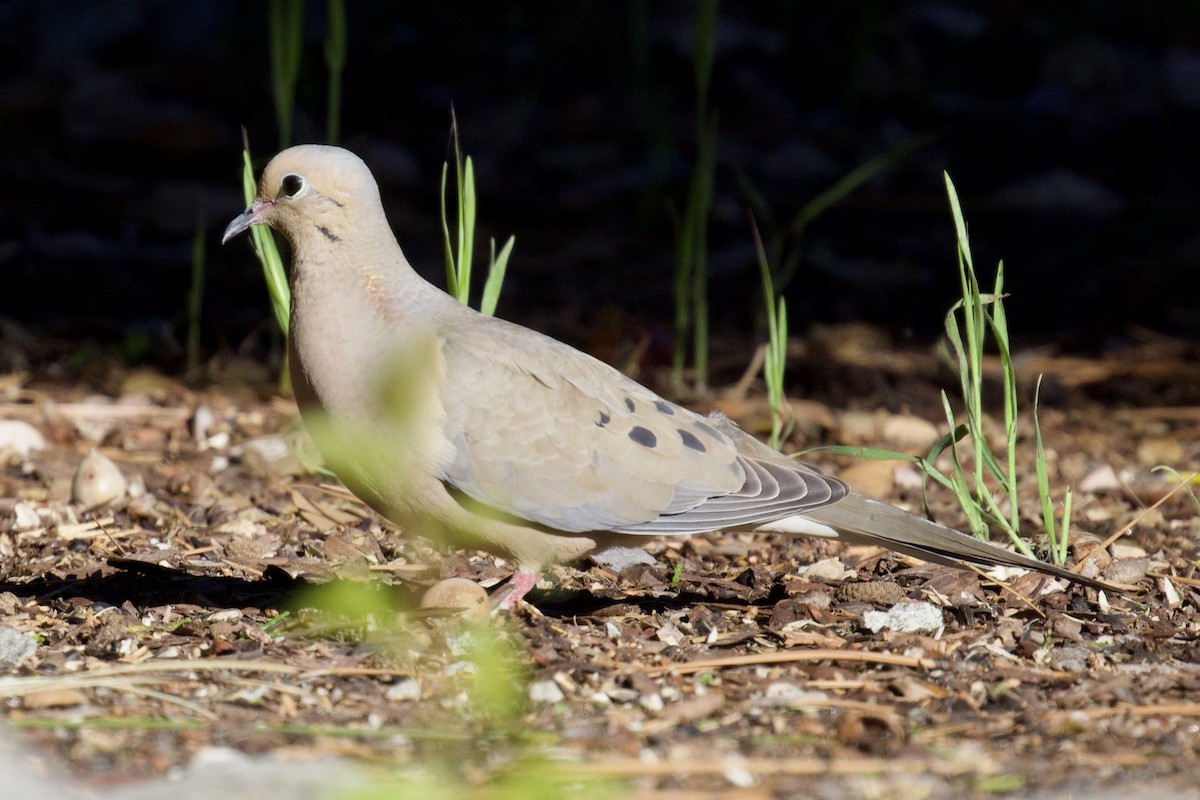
x=482 y=433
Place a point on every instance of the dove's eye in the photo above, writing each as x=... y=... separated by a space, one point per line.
x=292 y=185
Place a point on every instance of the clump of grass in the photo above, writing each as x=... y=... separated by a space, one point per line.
x=775 y=357
x=460 y=243
x=987 y=493
x=983 y=318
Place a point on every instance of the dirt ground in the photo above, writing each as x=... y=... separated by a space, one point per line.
x=232 y=598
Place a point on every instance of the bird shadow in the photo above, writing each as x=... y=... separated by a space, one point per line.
x=146 y=584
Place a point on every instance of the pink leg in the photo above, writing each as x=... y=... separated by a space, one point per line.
x=519 y=585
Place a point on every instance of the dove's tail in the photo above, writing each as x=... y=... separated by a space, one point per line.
x=860 y=519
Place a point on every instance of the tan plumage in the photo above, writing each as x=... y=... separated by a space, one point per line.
x=480 y=432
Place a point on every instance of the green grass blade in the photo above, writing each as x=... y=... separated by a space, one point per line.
x=335 y=62
x=266 y=250
x=1064 y=539
x=775 y=361
x=1043 y=473
x=451 y=266
x=960 y=485
x=495 y=278
x=466 y=228
x=458 y=260
x=853 y=180
x=1195 y=478
x=285 y=24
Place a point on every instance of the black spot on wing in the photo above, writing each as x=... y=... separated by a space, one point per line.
x=690 y=440
x=328 y=234
x=708 y=429
x=632 y=406
x=664 y=407
x=643 y=436
x=604 y=420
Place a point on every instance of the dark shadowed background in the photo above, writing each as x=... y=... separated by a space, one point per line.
x=1070 y=130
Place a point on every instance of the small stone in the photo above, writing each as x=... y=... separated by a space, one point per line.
x=619 y=558
x=1127 y=571
x=269 y=448
x=908 y=432
x=404 y=689
x=872 y=478
x=466 y=596
x=1126 y=550
x=1102 y=478
x=203 y=420
x=26 y=518
x=15 y=648
x=1069 y=658
x=53 y=698
x=1160 y=450
x=828 y=570
x=739 y=776
x=1170 y=596
x=546 y=692
x=97 y=481
x=907 y=617
x=652 y=702
x=782 y=694
x=20 y=437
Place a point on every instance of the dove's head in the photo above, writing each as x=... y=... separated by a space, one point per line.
x=309 y=190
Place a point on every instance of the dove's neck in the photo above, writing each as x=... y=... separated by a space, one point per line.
x=356 y=303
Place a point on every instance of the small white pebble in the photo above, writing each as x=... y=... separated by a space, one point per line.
x=202 y=421
x=218 y=441
x=404 y=689
x=739 y=776
x=222 y=757
x=1169 y=594
x=15 y=647
x=651 y=702
x=782 y=694
x=905 y=617
x=269 y=448
x=20 y=437
x=27 y=518
x=97 y=481
x=546 y=692
x=670 y=634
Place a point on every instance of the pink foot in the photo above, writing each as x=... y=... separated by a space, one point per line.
x=518 y=586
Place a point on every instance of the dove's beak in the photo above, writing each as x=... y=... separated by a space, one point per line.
x=251 y=216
